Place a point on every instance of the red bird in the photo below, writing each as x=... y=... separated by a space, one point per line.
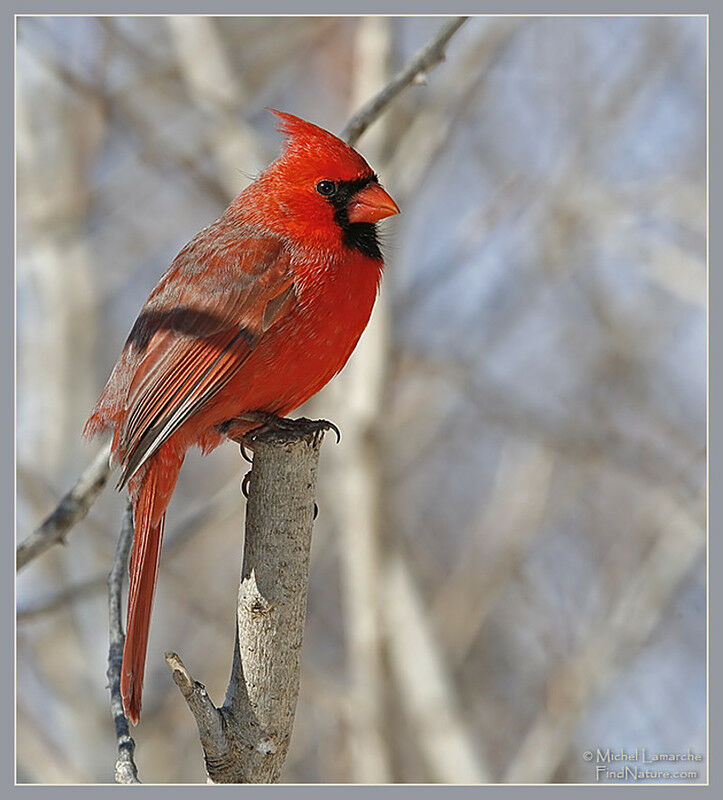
x=256 y=313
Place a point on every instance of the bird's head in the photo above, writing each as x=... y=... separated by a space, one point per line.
x=322 y=189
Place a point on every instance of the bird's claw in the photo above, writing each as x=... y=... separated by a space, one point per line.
x=245 y=484
x=316 y=426
x=329 y=426
x=244 y=452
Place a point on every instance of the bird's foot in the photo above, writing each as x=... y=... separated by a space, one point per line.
x=272 y=422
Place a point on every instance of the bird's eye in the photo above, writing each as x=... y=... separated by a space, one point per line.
x=326 y=188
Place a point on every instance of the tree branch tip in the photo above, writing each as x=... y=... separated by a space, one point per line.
x=173 y=659
x=181 y=676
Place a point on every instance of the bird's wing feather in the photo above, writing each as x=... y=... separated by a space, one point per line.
x=194 y=333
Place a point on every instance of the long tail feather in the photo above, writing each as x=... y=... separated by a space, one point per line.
x=149 y=514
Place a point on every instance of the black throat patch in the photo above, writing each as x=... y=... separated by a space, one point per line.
x=361 y=236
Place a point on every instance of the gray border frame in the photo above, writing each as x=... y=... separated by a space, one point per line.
x=7 y=394
x=390 y=7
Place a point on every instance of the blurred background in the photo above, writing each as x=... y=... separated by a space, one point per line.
x=508 y=566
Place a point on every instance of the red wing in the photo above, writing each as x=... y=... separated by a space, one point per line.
x=197 y=329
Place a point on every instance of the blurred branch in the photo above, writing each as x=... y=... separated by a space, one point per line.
x=495 y=405
x=509 y=518
x=125 y=767
x=220 y=506
x=218 y=90
x=39 y=757
x=62 y=598
x=359 y=499
x=151 y=149
x=246 y=740
x=71 y=509
x=425 y=686
x=359 y=502
x=415 y=72
x=355 y=501
x=39 y=492
x=639 y=607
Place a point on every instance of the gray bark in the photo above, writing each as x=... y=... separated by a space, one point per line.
x=125 y=766
x=246 y=740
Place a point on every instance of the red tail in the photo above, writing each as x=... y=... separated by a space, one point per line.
x=149 y=514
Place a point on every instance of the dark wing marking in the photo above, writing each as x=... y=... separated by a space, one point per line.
x=189 y=354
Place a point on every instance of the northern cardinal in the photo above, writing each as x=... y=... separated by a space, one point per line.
x=256 y=313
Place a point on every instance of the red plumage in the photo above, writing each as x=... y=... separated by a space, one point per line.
x=258 y=312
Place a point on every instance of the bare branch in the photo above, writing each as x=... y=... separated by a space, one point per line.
x=421 y=63
x=208 y=718
x=71 y=509
x=125 y=768
x=246 y=740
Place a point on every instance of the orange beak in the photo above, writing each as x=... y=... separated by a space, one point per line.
x=371 y=204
